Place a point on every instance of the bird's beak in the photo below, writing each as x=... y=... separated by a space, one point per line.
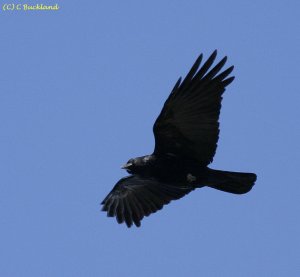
x=126 y=166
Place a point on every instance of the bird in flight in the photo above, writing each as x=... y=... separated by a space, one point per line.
x=186 y=134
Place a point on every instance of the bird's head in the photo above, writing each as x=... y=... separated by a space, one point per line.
x=137 y=165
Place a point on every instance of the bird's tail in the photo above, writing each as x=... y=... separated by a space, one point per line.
x=233 y=182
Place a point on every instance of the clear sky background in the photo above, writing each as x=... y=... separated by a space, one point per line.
x=80 y=90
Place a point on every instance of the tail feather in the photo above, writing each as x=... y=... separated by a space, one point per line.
x=233 y=182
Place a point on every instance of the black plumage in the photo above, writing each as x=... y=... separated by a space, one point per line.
x=186 y=134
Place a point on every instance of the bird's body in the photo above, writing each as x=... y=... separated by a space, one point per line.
x=168 y=168
x=186 y=134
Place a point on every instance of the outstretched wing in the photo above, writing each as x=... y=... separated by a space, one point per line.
x=188 y=123
x=134 y=197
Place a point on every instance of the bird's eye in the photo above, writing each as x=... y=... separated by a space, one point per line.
x=130 y=161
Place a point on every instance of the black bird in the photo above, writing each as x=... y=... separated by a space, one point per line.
x=186 y=134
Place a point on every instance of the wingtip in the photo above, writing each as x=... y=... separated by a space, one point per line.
x=137 y=224
x=197 y=62
x=200 y=57
x=229 y=70
x=177 y=84
x=128 y=223
x=212 y=57
x=227 y=81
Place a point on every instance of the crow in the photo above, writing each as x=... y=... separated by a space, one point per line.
x=186 y=134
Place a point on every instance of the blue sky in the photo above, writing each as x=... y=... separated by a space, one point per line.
x=80 y=90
